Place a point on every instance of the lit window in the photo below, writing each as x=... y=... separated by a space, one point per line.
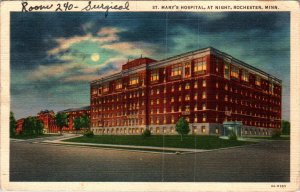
x=227 y=70
x=217 y=96
x=204 y=95
x=195 y=107
x=200 y=65
x=217 y=65
x=226 y=87
x=172 y=88
x=234 y=72
x=119 y=85
x=157 y=91
x=203 y=106
x=154 y=75
x=257 y=81
x=157 y=101
x=134 y=80
x=204 y=117
x=195 y=119
x=196 y=96
x=172 y=108
x=187 y=108
x=203 y=129
x=187 y=119
x=179 y=98
x=196 y=85
x=187 y=97
x=105 y=88
x=204 y=83
x=226 y=98
x=187 y=86
x=179 y=88
x=176 y=70
x=245 y=76
x=172 y=99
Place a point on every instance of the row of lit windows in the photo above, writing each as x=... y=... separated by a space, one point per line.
x=134 y=106
x=187 y=87
x=228 y=112
x=119 y=122
x=172 y=129
x=234 y=73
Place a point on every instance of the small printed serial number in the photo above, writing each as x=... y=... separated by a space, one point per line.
x=280 y=186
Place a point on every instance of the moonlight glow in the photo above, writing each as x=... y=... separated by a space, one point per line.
x=95 y=57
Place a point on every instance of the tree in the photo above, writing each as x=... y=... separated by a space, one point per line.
x=32 y=126
x=285 y=126
x=146 y=133
x=12 y=124
x=85 y=120
x=77 y=123
x=182 y=127
x=39 y=127
x=61 y=120
x=28 y=126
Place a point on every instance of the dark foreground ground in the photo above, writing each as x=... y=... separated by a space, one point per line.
x=263 y=162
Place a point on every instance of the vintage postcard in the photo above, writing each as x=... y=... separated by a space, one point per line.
x=150 y=95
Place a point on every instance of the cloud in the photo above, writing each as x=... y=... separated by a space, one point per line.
x=81 y=78
x=109 y=34
x=65 y=43
x=75 y=53
x=132 y=48
x=52 y=71
x=104 y=35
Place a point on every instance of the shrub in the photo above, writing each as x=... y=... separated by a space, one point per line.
x=88 y=133
x=146 y=133
x=276 y=133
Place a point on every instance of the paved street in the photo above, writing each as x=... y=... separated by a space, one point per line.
x=264 y=162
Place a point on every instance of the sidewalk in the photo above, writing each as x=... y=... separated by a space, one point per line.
x=127 y=147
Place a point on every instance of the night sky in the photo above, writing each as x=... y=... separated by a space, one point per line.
x=54 y=56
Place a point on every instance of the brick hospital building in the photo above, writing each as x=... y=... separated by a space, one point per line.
x=207 y=87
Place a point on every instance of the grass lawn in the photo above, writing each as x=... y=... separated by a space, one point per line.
x=189 y=141
x=32 y=136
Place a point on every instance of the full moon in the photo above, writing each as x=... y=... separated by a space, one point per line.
x=95 y=57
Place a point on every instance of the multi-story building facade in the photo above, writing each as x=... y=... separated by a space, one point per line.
x=207 y=87
x=72 y=114
x=48 y=119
